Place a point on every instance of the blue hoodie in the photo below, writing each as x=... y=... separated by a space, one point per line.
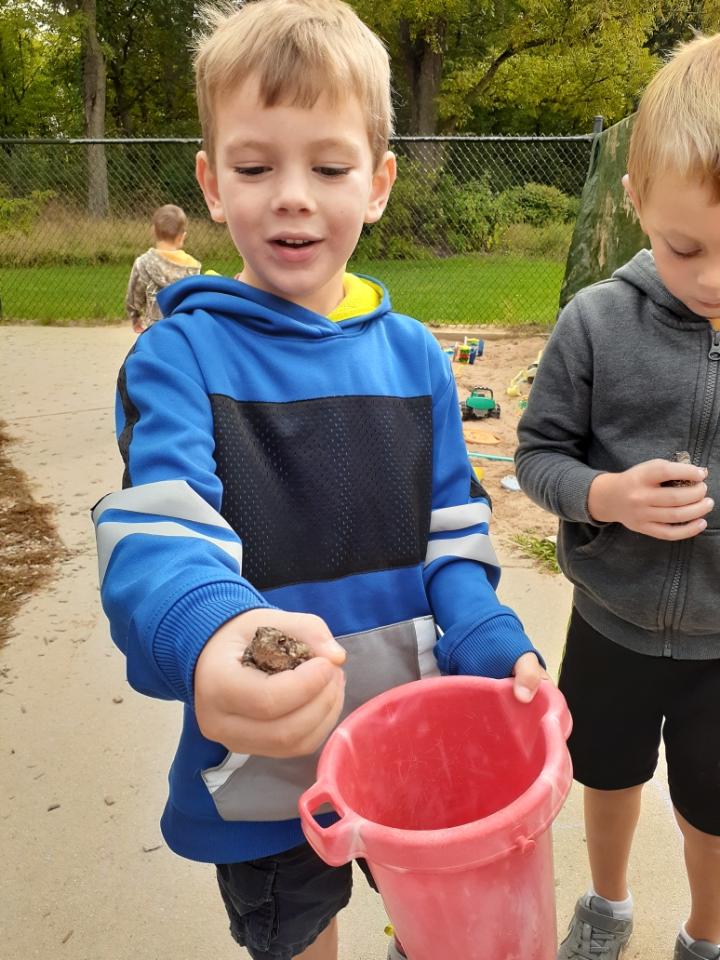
x=274 y=458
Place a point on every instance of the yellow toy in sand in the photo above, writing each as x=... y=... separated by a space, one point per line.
x=527 y=375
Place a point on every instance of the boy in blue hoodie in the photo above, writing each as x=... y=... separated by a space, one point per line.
x=294 y=458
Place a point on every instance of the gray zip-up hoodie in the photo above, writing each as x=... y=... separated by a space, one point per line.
x=629 y=374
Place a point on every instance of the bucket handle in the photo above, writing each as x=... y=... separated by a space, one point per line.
x=340 y=842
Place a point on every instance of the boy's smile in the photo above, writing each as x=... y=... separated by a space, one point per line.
x=682 y=219
x=294 y=186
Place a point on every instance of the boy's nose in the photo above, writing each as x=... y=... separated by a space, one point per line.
x=709 y=281
x=293 y=195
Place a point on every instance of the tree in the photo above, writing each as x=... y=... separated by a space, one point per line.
x=94 y=104
x=455 y=56
x=35 y=99
x=678 y=20
x=150 y=77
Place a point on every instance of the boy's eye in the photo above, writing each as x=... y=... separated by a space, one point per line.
x=683 y=254
x=251 y=171
x=333 y=171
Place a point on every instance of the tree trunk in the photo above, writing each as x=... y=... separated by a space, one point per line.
x=94 y=104
x=423 y=57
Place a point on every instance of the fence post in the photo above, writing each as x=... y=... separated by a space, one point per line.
x=598 y=122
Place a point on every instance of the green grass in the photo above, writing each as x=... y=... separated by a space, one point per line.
x=540 y=550
x=505 y=290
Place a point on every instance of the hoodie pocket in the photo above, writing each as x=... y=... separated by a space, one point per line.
x=623 y=571
x=697 y=610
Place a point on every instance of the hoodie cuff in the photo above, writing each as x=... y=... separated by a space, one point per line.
x=187 y=627
x=486 y=649
x=573 y=489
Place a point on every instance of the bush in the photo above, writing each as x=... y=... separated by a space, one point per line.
x=20 y=213
x=431 y=214
x=537 y=204
x=550 y=242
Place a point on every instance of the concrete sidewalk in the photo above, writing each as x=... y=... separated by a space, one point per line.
x=85 y=874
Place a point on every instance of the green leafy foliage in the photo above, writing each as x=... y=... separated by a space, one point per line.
x=432 y=214
x=537 y=204
x=539 y=549
x=21 y=213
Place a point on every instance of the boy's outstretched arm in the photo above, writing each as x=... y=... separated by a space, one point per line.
x=480 y=636
x=171 y=568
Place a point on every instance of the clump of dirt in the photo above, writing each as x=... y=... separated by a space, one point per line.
x=29 y=543
x=680 y=456
x=273 y=651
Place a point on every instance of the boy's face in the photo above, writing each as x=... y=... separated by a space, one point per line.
x=682 y=220
x=294 y=186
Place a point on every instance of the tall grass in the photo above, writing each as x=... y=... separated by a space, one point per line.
x=68 y=270
x=60 y=237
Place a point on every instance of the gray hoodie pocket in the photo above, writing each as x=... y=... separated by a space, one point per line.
x=697 y=607
x=623 y=571
x=260 y=788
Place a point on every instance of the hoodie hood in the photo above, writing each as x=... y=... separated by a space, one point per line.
x=263 y=312
x=641 y=273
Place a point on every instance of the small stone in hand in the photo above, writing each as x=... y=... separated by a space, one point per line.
x=273 y=651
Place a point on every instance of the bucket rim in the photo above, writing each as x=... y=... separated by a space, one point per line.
x=514 y=827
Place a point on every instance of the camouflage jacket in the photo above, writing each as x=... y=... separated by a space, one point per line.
x=151 y=272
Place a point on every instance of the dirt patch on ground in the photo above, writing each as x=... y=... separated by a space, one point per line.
x=29 y=543
x=501 y=362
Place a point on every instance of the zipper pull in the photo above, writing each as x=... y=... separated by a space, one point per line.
x=714 y=351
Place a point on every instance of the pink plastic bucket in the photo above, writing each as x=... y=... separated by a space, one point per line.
x=448 y=787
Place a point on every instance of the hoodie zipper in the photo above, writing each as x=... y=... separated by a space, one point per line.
x=703 y=429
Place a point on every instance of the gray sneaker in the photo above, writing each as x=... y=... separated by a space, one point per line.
x=594 y=932
x=699 y=950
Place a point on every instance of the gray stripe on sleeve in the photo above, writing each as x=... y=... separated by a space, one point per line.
x=477 y=546
x=110 y=534
x=455 y=518
x=167 y=498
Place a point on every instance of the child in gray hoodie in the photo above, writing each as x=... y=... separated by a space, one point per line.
x=628 y=389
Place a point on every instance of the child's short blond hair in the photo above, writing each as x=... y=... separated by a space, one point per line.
x=169 y=222
x=677 y=127
x=297 y=50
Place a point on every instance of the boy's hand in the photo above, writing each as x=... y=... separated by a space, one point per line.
x=637 y=499
x=286 y=714
x=527 y=673
x=137 y=326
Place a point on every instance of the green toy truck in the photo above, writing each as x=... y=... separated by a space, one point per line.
x=480 y=404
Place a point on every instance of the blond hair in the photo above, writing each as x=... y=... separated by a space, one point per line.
x=297 y=50
x=677 y=127
x=169 y=222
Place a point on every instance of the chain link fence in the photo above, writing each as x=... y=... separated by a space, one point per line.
x=476 y=231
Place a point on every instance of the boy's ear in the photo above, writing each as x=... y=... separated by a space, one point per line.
x=383 y=179
x=631 y=195
x=205 y=176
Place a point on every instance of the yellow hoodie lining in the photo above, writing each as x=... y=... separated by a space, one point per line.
x=178 y=257
x=361 y=296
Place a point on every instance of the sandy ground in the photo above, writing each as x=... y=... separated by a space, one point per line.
x=502 y=360
x=85 y=874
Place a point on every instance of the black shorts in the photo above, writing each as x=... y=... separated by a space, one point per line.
x=279 y=905
x=622 y=702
